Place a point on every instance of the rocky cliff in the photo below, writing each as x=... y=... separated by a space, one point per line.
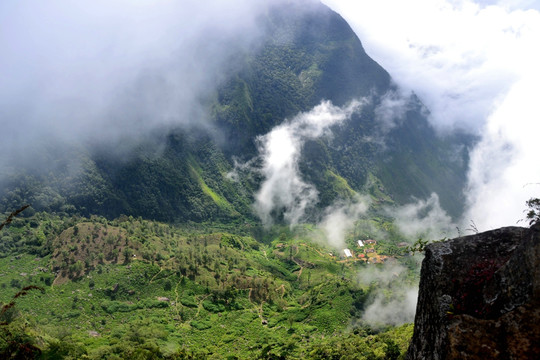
x=480 y=297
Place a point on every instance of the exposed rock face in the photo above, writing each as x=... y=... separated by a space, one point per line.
x=480 y=297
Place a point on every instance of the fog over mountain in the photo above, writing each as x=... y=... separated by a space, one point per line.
x=475 y=66
x=101 y=72
x=270 y=112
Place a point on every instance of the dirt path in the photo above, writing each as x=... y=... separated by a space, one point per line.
x=161 y=268
x=282 y=288
x=261 y=311
x=199 y=307
x=314 y=249
x=154 y=277
x=299 y=272
x=176 y=298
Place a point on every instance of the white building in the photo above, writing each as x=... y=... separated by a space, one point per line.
x=347 y=252
x=360 y=243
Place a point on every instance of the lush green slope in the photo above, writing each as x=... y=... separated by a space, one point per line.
x=135 y=288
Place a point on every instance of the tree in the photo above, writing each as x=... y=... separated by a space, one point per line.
x=167 y=286
x=128 y=254
x=15 y=343
x=533 y=215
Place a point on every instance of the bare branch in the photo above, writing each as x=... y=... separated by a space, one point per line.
x=12 y=216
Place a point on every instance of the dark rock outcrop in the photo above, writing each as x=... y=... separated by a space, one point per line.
x=480 y=297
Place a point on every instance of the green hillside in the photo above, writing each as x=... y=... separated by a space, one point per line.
x=136 y=288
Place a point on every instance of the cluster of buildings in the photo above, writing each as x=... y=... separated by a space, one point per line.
x=366 y=252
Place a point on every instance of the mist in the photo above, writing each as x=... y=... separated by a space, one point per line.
x=424 y=219
x=396 y=310
x=100 y=73
x=282 y=188
x=340 y=217
x=474 y=64
x=391 y=111
x=393 y=299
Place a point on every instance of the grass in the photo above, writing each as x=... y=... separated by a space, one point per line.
x=219 y=200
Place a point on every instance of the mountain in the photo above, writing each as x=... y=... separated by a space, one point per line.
x=149 y=246
x=307 y=53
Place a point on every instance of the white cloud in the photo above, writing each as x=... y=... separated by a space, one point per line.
x=283 y=188
x=475 y=65
x=504 y=166
x=423 y=219
x=340 y=218
x=396 y=310
x=393 y=301
x=392 y=109
x=107 y=70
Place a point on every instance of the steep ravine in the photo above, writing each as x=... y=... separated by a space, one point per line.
x=480 y=297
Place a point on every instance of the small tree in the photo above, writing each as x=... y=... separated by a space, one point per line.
x=128 y=254
x=533 y=215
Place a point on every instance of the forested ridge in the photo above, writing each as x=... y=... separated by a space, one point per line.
x=308 y=54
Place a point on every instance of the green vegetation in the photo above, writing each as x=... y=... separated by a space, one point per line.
x=533 y=215
x=136 y=288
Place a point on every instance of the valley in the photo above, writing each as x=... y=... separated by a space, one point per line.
x=134 y=287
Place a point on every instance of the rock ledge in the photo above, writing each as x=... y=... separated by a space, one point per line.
x=480 y=297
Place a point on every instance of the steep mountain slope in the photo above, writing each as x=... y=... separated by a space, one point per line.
x=307 y=53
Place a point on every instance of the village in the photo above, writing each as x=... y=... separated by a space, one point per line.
x=367 y=252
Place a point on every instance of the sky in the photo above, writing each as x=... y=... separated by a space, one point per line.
x=475 y=64
x=101 y=70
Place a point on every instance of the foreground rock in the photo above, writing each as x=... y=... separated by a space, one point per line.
x=480 y=297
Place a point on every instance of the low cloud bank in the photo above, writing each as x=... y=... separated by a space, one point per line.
x=482 y=76
x=283 y=188
x=101 y=73
x=392 y=302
